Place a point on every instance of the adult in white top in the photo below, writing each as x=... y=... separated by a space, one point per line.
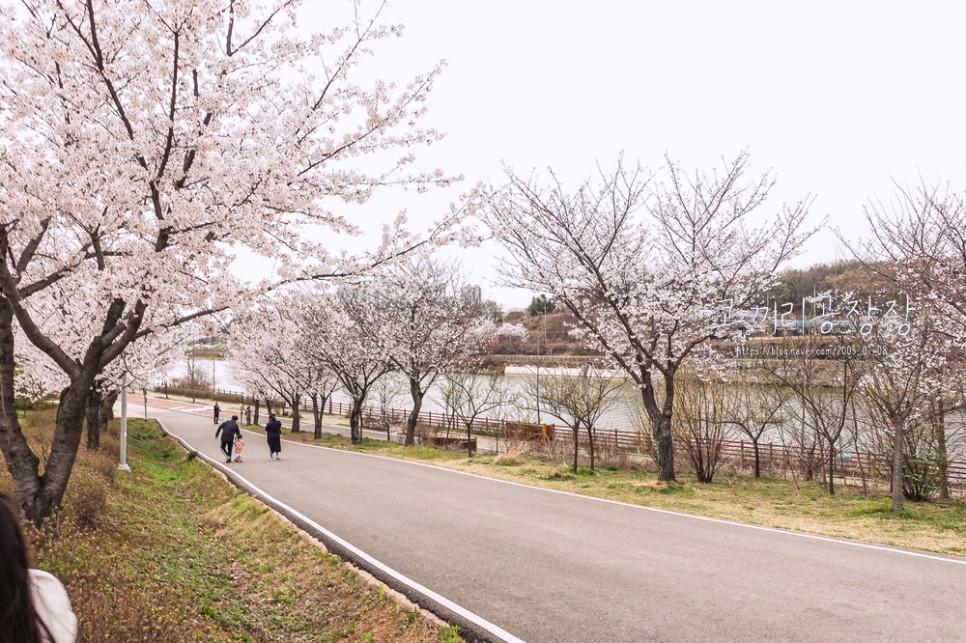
x=53 y=607
x=34 y=607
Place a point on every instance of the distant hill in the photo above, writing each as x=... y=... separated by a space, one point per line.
x=842 y=276
x=549 y=334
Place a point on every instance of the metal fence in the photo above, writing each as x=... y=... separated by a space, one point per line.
x=860 y=466
x=850 y=464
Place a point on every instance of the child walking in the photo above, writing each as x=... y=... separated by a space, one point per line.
x=239 y=446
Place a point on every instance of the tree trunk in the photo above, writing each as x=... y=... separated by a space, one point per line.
x=664 y=440
x=100 y=411
x=316 y=416
x=576 y=430
x=95 y=399
x=754 y=444
x=63 y=451
x=40 y=495
x=257 y=407
x=898 y=428
x=831 y=468
x=21 y=462
x=661 y=426
x=355 y=421
x=296 y=419
x=590 y=444
x=417 y=395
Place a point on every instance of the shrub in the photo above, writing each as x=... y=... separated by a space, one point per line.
x=508 y=460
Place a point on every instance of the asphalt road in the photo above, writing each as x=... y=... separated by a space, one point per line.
x=540 y=566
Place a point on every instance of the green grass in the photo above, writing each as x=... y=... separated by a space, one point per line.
x=378 y=447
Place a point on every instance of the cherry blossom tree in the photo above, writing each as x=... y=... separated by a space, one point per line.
x=263 y=346
x=649 y=269
x=269 y=353
x=319 y=384
x=429 y=322
x=904 y=359
x=335 y=337
x=143 y=142
x=918 y=245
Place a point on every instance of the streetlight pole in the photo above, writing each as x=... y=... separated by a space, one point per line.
x=122 y=465
x=538 y=366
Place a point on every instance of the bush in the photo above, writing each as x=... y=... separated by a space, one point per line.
x=508 y=460
x=921 y=477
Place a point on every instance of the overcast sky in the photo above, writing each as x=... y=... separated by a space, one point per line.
x=840 y=99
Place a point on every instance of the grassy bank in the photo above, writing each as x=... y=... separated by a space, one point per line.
x=771 y=502
x=173 y=552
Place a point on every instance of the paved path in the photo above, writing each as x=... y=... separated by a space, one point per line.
x=541 y=566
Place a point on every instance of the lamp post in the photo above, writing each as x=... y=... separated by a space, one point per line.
x=122 y=465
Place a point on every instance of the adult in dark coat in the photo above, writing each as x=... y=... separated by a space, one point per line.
x=274 y=431
x=228 y=429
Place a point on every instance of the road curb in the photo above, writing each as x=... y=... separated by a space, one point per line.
x=473 y=628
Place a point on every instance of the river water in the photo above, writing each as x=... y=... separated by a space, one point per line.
x=622 y=413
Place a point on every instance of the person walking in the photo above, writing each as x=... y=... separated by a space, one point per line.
x=274 y=432
x=239 y=446
x=34 y=606
x=217 y=412
x=248 y=416
x=228 y=430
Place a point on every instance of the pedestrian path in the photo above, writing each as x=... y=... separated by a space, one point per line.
x=537 y=565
